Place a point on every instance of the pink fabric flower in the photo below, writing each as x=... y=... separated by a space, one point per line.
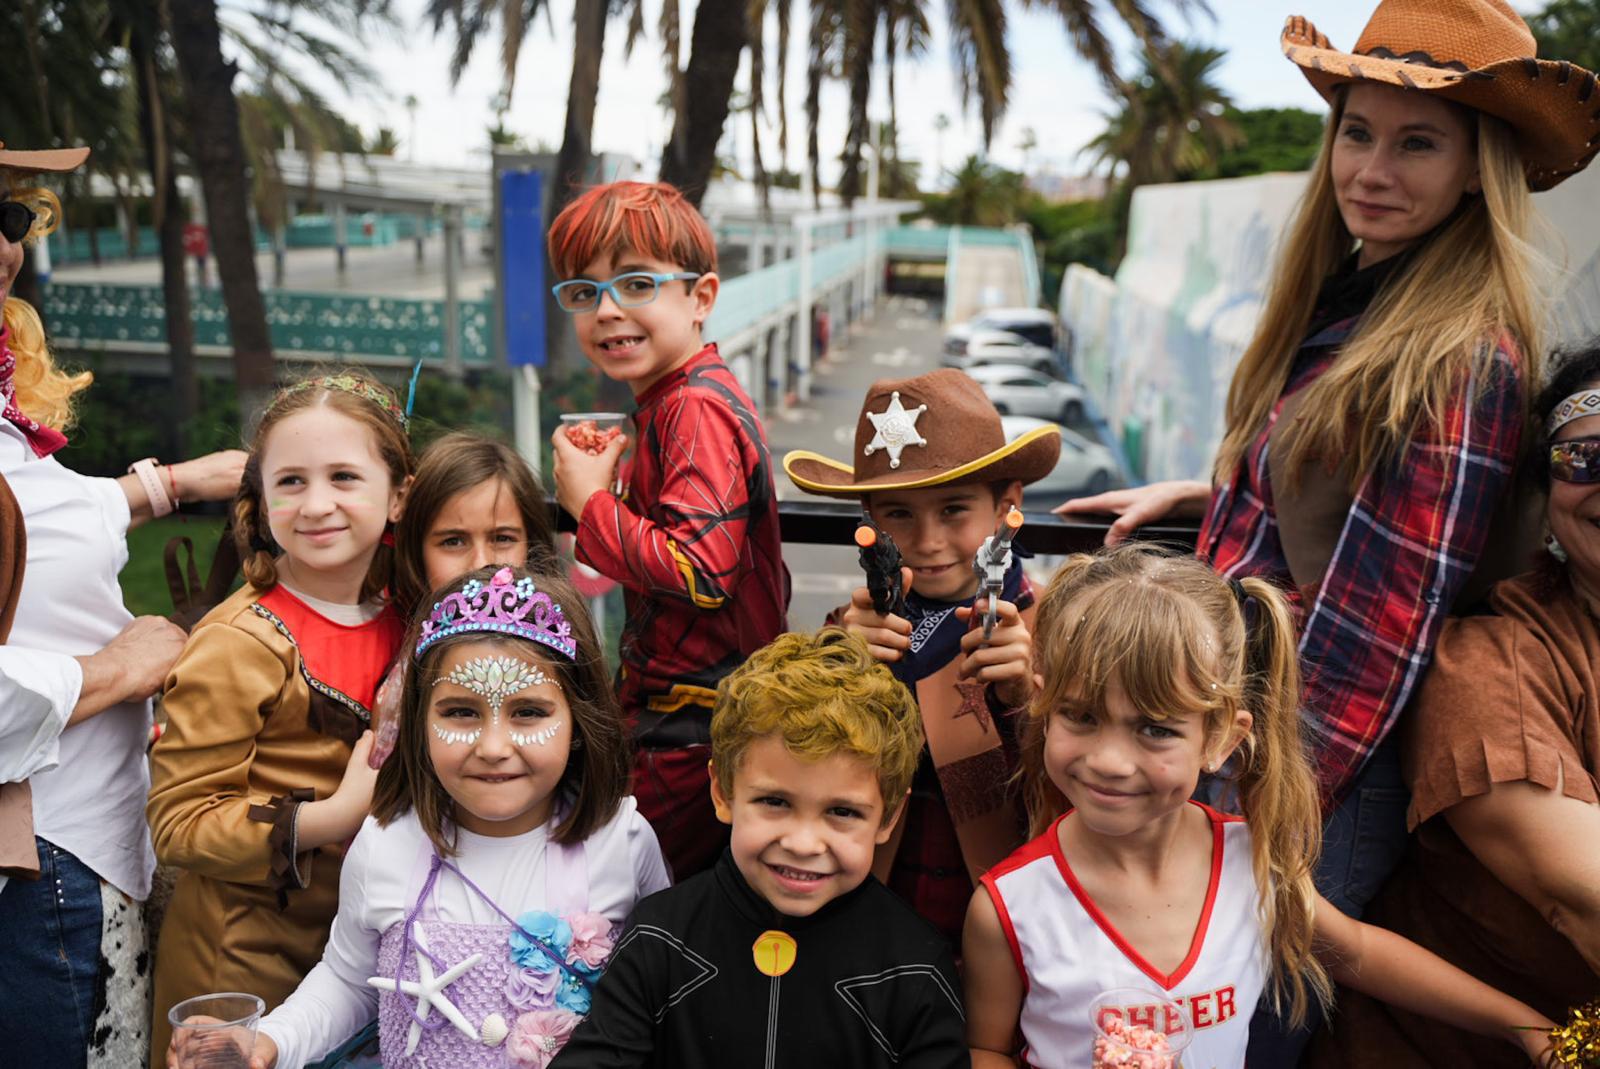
x=532 y=989
x=591 y=940
x=538 y=1037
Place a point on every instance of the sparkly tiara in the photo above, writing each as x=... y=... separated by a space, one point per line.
x=358 y=386
x=505 y=606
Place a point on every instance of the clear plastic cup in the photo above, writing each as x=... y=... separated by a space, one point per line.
x=1138 y=1029
x=216 y=1031
x=603 y=421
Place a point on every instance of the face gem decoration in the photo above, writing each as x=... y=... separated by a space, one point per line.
x=534 y=738
x=896 y=428
x=450 y=738
x=496 y=679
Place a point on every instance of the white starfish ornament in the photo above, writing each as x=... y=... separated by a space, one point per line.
x=429 y=991
x=895 y=428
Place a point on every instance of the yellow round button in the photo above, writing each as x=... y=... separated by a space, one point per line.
x=774 y=952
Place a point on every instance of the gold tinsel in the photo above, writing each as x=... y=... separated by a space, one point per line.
x=1577 y=1043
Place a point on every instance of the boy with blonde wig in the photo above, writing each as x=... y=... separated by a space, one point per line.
x=788 y=952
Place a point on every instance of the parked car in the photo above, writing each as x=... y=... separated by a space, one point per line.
x=1085 y=467
x=1037 y=325
x=1023 y=391
x=1004 y=347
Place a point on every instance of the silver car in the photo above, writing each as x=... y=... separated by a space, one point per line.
x=1085 y=467
x=1023 y=391
x=986 y=347
x=1037 y=325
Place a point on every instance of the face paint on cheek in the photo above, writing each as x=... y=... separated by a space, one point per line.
x=535 y=738
x=451 y=738
x=497 y=678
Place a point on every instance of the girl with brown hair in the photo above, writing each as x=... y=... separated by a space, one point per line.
x=263 y=767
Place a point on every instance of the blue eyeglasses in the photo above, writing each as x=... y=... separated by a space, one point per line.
x=628 y=291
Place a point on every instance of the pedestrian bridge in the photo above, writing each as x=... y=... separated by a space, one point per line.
x=764 y=319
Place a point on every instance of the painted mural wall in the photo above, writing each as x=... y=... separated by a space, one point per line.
x=1157 y=345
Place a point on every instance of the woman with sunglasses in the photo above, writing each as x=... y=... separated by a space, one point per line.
x=76 y=675
x=1502 y=751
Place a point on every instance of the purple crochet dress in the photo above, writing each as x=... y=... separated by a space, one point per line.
x=520 y=999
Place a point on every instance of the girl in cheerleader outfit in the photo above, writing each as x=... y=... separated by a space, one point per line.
x=478 y=903
x=1154 y=669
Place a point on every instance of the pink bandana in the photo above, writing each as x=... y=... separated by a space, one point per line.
x=43 y=440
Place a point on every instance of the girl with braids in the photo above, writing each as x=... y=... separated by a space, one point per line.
x=1155 y=668
x=264 y=769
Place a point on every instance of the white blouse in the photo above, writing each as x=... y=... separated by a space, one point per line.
x=89 y=780
x=376 y=886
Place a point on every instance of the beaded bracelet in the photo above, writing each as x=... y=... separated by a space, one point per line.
x=160 y=503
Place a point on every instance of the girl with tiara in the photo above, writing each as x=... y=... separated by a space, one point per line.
x=478 y=904
x=262 y=774
x=1156 y=669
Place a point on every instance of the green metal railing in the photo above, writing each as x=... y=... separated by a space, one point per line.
x=341 y=326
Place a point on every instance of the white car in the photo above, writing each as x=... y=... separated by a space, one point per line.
x=1023 y=391
x=1003 y=347
x=1037 y=325
x=1085 y=467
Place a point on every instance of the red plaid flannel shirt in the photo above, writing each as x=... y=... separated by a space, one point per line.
x=695 y=545
x=1410 y=541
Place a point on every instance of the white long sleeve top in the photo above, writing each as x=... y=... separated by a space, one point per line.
x=89 y=780
x=334 y=1001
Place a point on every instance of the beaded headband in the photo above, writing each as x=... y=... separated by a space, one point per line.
x=1583 y=403
x=358 y=386
x=505 y=606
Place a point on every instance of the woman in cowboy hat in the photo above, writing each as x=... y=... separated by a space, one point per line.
x=76 y=675
x=1375 y=420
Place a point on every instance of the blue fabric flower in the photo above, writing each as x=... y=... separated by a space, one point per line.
x=573 y=996
x=540 y=940
x=585 y=970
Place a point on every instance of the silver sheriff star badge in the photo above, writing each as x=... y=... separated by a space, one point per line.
x=896 y=428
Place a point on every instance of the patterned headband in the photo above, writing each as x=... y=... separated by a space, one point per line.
x=1583 y=403
x=505 y=606
x=358 y=386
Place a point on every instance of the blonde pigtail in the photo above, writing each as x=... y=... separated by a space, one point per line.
x=1278 y=794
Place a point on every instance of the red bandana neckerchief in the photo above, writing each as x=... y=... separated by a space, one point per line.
x=43 y=440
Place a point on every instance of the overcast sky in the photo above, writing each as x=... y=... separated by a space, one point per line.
x=1053 y=91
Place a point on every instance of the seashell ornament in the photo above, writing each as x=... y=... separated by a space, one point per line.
x=494 y=1030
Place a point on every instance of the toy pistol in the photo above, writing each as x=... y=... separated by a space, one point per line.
x=880 y=559
x=993 y=558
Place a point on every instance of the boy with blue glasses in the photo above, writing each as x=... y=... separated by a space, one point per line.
x=693 y=539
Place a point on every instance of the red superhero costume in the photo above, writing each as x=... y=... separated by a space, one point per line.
x=695 y=545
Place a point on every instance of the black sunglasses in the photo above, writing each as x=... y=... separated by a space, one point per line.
x=16 y=219
x=1576 y=460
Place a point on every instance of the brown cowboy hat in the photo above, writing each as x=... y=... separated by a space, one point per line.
x=54 y=160
x=1475 y=52
x=934 y=430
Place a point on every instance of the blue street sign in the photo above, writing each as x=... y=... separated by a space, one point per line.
x=522 y=261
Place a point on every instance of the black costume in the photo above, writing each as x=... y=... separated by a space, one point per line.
x=709 y=974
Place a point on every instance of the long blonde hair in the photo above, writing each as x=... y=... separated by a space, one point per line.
x=1436 y=323
x=43 y=391
x=1174 y=635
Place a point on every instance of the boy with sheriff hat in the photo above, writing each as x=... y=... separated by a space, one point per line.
x=933 y=471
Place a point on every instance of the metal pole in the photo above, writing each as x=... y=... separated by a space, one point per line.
x=340 y=232
x=525 y=416
x=802 y=332
x=452 y=292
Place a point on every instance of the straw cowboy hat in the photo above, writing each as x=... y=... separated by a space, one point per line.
x=54 y=160
x=1475 y=52
x=934 y=430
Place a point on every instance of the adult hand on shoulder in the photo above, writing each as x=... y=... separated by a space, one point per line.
x=213 y=477
x=888 y=637
x=131 y=667
x=1141 y=505
x=580 y=475
x=1005 y=661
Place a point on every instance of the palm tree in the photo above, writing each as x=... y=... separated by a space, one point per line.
x=721 y=31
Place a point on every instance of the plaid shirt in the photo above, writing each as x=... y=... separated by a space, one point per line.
x=696 y=547
x=1409 y=543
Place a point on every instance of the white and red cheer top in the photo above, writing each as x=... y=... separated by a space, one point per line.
x=1068 y=953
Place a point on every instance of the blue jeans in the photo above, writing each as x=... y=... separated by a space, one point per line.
x=50 y=932
x=1362 y=843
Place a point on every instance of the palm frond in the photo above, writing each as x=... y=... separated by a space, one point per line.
x=982 y=60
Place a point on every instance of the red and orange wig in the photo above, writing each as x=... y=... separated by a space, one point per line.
x=650 y=219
